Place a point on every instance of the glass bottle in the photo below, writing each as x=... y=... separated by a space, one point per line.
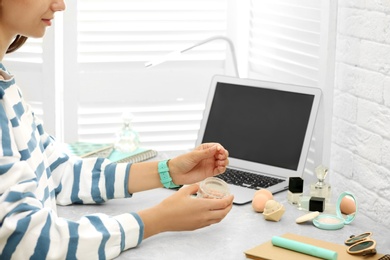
x=127 y=139
x=321 y=188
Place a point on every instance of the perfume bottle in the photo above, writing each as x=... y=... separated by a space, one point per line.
x=127 y=139
x=321 y=188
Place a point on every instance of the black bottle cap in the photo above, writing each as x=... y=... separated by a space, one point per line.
x=295 y=184
x=317 y=204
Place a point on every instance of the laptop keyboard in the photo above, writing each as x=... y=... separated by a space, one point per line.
x=247 y=179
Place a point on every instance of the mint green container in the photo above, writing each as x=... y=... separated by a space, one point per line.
x=304 y=248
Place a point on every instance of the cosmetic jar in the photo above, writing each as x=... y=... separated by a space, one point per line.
x=295 y=189
x=213 y=188
x=311 y=203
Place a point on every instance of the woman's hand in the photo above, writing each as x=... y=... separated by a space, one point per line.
x=206 y=160
x=182 y=212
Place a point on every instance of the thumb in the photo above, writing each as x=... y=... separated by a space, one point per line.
x=189 y=189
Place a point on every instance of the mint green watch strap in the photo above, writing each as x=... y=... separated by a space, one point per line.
x=165 y=177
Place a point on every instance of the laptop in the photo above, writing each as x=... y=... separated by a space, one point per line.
x=266 y=127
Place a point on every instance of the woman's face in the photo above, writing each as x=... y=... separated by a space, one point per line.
x=27 y=17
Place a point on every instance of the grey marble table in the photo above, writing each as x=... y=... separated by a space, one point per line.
x=242 y=229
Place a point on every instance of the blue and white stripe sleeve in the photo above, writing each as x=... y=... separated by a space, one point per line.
x=85 y=181
x=31 y=232
x=31 y=229
x=29 y=225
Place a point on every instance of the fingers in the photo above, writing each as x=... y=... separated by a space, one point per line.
x=219 y=151
x=205 y=146
x=222 y=153
x=215 y=152
x=214 y=148
x=219 y=208
x=210 y=204
x=217 y=204
x=189 y=189
x=221 y=156
x=221 y=166
x=187 y=213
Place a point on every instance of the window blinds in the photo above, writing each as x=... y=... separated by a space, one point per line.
x=286 y=43
x=140 y=30
x=293 y=41
x=167 y=100
x=285 y=40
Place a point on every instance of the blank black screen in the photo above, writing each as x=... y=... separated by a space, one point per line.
x=258 y=124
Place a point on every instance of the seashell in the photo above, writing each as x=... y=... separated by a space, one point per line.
x=273 y=210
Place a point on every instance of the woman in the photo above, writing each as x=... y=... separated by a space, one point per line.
x=35 y=174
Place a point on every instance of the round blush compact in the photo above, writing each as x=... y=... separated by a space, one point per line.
x=329 y=221
x=332 y=222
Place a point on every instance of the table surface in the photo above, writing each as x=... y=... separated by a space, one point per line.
x=242 y=229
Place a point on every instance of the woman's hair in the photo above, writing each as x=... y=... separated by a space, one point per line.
x=17 y=43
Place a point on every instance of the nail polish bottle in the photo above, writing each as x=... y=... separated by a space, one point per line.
x=295 y=189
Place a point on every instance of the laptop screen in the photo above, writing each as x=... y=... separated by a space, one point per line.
x=261 y=125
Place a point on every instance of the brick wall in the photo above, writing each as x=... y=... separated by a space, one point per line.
x=360 y=152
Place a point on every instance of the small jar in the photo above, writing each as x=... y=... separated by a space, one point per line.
x=213 y=188
x=295 y=190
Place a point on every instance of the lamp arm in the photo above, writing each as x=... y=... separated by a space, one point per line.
x=219 y=37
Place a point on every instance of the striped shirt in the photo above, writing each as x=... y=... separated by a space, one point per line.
x=36 y=175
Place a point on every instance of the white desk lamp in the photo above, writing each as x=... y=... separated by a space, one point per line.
x=174 y=53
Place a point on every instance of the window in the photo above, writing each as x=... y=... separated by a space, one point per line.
x=105 y=45
x=285 y=41
x=113 y=41
x=96 y=58
x=293 y=41
x=140 y=30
